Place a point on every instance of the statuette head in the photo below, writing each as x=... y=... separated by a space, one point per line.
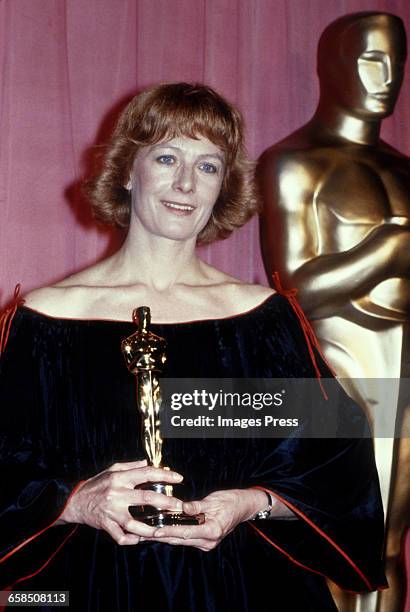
x=361 y=61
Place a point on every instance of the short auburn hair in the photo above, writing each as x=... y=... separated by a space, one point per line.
x=163 y=112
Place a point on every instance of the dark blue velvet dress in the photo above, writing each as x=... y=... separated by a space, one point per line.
x=68 y=412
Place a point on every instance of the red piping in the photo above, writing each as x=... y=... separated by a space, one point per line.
x=322 y=533
x=383 y=588
x=6 y=318
x=10 y=588
x=35 y=535
x=46 y=562
x=311 y=340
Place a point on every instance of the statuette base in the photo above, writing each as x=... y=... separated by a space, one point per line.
x=160 y=518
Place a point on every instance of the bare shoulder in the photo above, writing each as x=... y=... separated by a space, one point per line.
x=53 y=300
x=250 y=295
x=234 y=295
x=64 y=298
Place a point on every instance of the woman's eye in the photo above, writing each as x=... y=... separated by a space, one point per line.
x=208 y=168
x=166 y=160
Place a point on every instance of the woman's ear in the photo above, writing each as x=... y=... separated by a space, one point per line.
x=128 y=186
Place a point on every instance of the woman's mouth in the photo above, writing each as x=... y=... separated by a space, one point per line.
x=178 y=208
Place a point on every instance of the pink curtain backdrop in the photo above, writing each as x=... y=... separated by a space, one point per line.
x=68 y=67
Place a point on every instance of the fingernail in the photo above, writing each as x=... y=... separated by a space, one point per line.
x=177 y=476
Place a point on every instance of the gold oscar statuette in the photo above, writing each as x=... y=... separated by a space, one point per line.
x=144 y=354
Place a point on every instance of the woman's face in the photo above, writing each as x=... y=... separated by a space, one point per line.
x=175 y=184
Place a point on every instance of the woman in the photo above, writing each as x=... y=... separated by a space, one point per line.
x=176 y=175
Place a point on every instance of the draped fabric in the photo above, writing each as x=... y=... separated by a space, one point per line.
x=69 y=412
x=67 y=68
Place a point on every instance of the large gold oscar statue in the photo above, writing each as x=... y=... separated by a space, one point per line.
x=336 y=225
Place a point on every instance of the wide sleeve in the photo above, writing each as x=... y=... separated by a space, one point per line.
x=331 y=485
x=33 y=489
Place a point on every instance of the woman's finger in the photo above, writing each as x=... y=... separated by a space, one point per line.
x=118 y=535
x=193 y=507
x=126 y=465
x=137 y=528
x=196 y=543
x=129 y=539
x=146 y=497
x=206 y=531
x=135 y=477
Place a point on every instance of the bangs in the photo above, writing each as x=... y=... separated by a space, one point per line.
x=186 y=111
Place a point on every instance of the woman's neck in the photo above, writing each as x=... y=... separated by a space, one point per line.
x=154 y=261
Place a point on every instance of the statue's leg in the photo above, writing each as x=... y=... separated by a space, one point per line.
x=370 y=362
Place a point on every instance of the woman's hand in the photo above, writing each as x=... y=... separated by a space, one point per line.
x=223 y=510
x=102 y=501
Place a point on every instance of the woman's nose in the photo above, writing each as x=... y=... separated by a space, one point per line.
x=184 y=179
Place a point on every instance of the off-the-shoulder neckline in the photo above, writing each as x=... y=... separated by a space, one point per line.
x=261 y=305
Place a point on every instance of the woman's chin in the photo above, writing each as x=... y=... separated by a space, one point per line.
x=178 y=235
x=179 y=230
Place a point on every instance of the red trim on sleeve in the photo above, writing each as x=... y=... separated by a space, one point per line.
x=35 y=535
x=46 y=562
x=311 y=340
x=322 y=533
x=7 y=317
x=265 y=537
x=11 y=587
x=31 y=538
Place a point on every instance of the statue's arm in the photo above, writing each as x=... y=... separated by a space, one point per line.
x=291 y=242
